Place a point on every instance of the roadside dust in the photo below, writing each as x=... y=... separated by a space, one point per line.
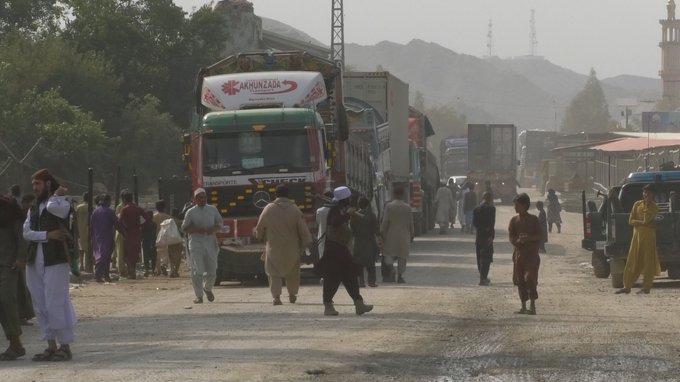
x=440 y=326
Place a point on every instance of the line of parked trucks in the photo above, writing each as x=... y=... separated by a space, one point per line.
x=262 y=119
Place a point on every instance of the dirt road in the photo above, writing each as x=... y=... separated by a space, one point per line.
x=440 y=326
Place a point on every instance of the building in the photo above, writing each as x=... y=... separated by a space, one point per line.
x=670 y=55
x=247 y=34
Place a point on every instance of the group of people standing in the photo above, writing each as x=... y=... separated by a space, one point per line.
x=118 y=238
x=41 y=241
x=36 y=239
x=349 y=240
x=458 y=202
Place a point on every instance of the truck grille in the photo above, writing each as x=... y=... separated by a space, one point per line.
x=249 y=201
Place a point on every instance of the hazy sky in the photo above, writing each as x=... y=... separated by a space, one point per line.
x=613 y=36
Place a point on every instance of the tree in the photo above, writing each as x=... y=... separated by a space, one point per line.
x=588 y=111
x=151 y=44
x=71 y=140
x=149 y=141
x=29 y=16
x=83 y=79
x=446 y=122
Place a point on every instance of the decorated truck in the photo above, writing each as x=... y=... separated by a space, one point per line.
x=453 y=156
x=424 y=171
x=264 y=119
x=401 y=156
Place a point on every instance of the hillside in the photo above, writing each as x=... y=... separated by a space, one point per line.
x=527 y=91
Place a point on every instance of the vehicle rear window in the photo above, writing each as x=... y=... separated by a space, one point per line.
x=631 y=193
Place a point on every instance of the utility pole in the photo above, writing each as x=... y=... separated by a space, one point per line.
x=338 y=33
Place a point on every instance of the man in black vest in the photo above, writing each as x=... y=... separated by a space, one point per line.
x=47 y=272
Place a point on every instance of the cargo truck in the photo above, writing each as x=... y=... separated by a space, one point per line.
x=492 y=156
x=388 y=96
x=535 y=146
x=402 y=158
x=263 y=119
x=424 y=172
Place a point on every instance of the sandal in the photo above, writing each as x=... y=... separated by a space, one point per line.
x=12 y=354
x=44 y=356
x=61 y=355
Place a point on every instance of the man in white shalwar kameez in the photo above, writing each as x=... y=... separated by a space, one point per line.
x=201 y=223
x=47 y=272
x=444 y=202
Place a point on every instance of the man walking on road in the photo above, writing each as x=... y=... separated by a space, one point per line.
x=12 y=262
x=444 y=204
x=397 y=232
x=201 y=223
x=484 y=221
x=469 y=205
x=642 y=256
x=282 y=227
x=337 y=266
x=366 y=231
x=103 y=226
x=171 y=254
x=525 y=235
x=131 y=219
x=47 y=273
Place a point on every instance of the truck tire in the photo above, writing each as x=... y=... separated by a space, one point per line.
x=617 y=280
x=674 y=272
x=600 y=264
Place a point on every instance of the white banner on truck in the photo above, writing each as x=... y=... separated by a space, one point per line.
x=289 y=89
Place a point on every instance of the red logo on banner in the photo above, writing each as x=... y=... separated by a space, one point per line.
x=231 y=87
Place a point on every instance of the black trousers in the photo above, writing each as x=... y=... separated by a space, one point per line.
x=386 y=270
x=332 y=283
x=149 y=254
x=24 y=298
x=484 y=259
x=370 y=270
x=9 y=306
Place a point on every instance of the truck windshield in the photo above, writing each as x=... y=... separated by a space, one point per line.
x=256 y=152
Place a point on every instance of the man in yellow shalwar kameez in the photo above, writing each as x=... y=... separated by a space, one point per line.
x=642 y=256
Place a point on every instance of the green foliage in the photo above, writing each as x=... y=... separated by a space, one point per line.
x=84 y=79
x=150 y=43
x=445 y=120
x=588 y=111
x=108 y=85
x=149 y=140
x=71 y=140
x=29 y=16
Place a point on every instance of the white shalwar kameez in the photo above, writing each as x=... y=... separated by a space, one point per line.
x=203 y=248
x=49 y=285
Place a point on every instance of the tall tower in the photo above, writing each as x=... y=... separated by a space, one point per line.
x=670 y=55
x=338 y=32
x=489 y=40
x=533 y=41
